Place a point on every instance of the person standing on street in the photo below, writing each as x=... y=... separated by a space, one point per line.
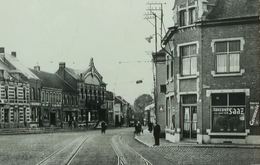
x=156 y=134
x=103 y=127
x=150 y=127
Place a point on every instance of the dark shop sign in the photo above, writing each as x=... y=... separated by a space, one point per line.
x=254 y=114
x=228 y=110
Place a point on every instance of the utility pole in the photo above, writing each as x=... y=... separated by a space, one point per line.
x=155 y=11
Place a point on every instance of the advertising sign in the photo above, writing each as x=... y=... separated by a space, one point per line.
x=229 y=110
x=254 y=114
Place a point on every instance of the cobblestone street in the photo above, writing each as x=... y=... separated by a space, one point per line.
x=94 y=148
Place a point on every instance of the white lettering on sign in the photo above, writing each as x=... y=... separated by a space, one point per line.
x=252 y=121
x=229 y=110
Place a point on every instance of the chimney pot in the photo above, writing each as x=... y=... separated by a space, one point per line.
x=2 y=50
x=13 y=54
x=37 y=68
x=62 y=65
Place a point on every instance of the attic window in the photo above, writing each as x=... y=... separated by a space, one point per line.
x=183 y=18
x=1 y=73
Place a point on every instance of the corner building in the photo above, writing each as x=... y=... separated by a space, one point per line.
x=213 y=88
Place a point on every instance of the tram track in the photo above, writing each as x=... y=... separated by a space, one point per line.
x=121 y=148
x=58 y=157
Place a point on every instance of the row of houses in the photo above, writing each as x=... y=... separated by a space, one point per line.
x=68 y=97
x=208 y=73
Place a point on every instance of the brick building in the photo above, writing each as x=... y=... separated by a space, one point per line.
x=90 y=89
x=213 y=88
x=15 y=107
x=160 y=68
x=51 y=98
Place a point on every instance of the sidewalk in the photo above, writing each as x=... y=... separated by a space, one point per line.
x=147 y=139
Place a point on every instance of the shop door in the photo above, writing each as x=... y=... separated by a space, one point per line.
x=52 y=118
x=189 y=122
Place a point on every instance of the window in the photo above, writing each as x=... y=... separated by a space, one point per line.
x=168 y=111
x=228 y=112
x=188 y=59
x=39 y=94
x=6 y=92
x=228 y=56
x=1 y=74
x=47 y=97
x=24 y=93
x=15 y=92
x=6 y=115
x=82 y=93
x=189 y=99
x=172 y=113
x=42 y=98
x=191 y=16
x=167 y=71
x=171 y=68
x=163 y=88
x=182 y=18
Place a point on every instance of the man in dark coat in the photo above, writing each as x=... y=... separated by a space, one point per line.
x=156 y=134
x=150 y=127
x=103 y=127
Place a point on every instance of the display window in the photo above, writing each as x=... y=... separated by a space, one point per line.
x=228 y=112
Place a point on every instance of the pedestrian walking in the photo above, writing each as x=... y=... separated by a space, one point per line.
x=150 y=127
x=70 y=123
x=156 y=134
x=103 y=127
x=138 y=128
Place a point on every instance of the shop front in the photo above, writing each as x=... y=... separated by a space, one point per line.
x=228 y=112
x=229 y=116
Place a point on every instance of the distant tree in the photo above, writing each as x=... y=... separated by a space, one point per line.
x=139 y=105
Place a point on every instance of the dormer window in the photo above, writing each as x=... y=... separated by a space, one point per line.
x=1 y=74
x=191 y=16
x=183 y=18
x=187 y=14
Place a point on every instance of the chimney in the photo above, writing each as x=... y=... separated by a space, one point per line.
x=2 y=53
x=13 y=54
x=2 y=50
x=62 y=65
x=37 y=68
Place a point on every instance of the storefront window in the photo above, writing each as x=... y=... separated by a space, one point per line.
x=228 y=112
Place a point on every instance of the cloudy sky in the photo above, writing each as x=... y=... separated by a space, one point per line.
x=46 y=32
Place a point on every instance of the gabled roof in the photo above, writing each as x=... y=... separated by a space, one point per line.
x=80 y=74
x=52 y=80
x=74 y=72
x=121 y=100
x=19 y=67
x=225 y=9
x=92 y=69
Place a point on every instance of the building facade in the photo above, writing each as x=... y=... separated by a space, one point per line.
x=212 y=93
x=50 y=113
x=160 y=62
x=15 y=107
x=90 y=89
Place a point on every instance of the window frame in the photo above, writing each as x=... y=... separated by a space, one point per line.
x=228 y=106
x=183 y=17
x=192 y=15
x=227 y=55
x=188 y=56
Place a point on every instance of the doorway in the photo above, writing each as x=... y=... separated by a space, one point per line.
x=189 y=122
x=52 y=118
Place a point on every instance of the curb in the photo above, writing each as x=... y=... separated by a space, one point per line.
x=142 y=142
x=202 y=145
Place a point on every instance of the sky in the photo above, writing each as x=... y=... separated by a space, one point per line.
x=113 y=32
